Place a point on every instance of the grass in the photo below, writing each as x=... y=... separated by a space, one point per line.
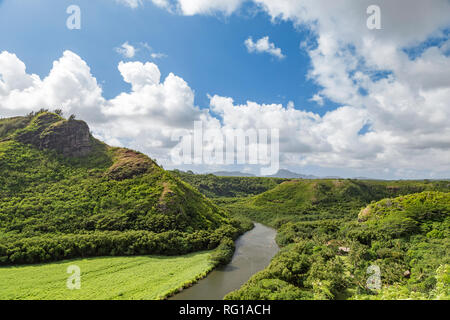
x=106 y=278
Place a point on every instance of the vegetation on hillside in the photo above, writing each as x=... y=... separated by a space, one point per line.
x=406 y=237
x=215 y=187
x=327 y=249
x=312 y=200
x=105 y=201
x=64 y=194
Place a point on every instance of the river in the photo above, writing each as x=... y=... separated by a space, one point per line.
x=254 y=250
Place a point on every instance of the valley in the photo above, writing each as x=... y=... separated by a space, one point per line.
x=137 y=231
x=254 y=250
x=332 y=232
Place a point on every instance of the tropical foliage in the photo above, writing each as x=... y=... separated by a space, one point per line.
x=406 y=237
x=229 y=187
x=112 y=201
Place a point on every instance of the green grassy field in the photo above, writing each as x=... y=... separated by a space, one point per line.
x=143 y=277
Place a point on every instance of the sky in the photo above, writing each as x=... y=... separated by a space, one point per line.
x=347 y=100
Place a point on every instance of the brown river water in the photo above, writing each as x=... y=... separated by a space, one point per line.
x=254 y=250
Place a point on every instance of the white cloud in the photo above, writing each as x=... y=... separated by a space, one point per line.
x=158 y=55
x=139 y=75
x=162 y=3
x=303 y=134
x=170 y=103
x=192 y=7
x=13 y=72
x=405 y=101
x=153 y=55
x=69 y=85
x=146 y=117
x=143 y=118
x=126 y=50
x=317 y=98
x=402 y=103
x=263 y=45
x=131 y=3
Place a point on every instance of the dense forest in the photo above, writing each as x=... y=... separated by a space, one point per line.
x=405 y=238
x=64 y=194
x=311 y=200
x=334 y=234
x=217 y=187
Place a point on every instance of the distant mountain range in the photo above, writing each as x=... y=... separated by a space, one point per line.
x=232 y=174
x=286 y=174
x=282 y=173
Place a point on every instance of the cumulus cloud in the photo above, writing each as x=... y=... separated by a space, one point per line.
x=394 y=108
x=158 y=55
x=140 y=75
x=192 y=7
x=147 y=117
x=162 y=3
x=131 y=3
x=14 y=76
x=317 y=98
x=69 y=85
x=304 y=135
x=263 y=45
x=126 y=50
x=404 y=100
x=144 y=118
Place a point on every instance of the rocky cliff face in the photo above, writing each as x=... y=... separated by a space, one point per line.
x=49 y=131
x=71 y=138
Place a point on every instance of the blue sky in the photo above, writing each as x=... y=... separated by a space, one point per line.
x=207 y=51
x=381 y=97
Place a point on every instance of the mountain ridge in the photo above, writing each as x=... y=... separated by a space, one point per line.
x=77 y=193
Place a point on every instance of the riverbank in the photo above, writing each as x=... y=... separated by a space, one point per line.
x=145 y=277
x=254 y=251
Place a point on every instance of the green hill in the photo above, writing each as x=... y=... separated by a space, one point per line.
x=310 y=200
x=424 y=213
x=215 y=187
x=406 y=238
x=64 y=194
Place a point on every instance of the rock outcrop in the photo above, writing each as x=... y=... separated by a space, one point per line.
x=70 y=138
